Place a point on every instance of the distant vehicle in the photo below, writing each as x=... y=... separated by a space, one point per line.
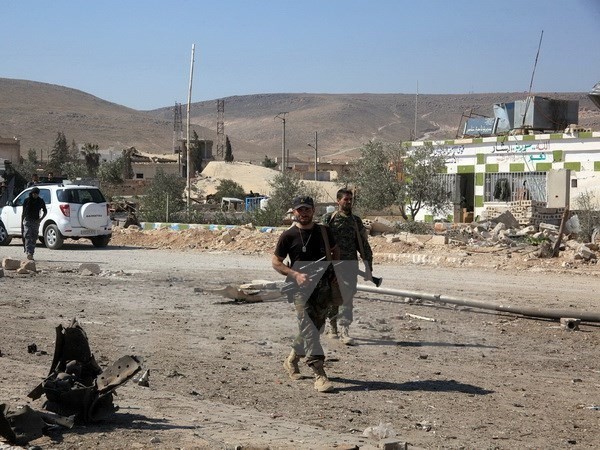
x=74 y=212
x=232 y=204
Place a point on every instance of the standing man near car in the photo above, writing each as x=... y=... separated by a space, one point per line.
x=30 y=220
x=310 y=248
x=351 y=236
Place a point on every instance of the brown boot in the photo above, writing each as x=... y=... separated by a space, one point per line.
x=345 y=337
x=291 y=365
x=333 y=329
x=322 y=383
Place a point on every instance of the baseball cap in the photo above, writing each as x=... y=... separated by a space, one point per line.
x=305 y=201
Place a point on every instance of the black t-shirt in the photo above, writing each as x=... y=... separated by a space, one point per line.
x=32 y=207
x=293 y=240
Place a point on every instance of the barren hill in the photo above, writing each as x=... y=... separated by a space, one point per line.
x=35 y=112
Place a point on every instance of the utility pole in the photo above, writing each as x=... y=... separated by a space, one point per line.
x=316 y=147
x=187 y=141
x=281 y=116
x=416 y=105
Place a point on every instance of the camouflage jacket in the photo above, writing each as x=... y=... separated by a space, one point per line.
x=344 y=231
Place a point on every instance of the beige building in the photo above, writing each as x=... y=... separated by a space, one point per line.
x=10 y=149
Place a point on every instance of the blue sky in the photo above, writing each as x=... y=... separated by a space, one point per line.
x=137 y=53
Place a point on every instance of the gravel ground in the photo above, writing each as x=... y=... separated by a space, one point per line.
x=470 y=379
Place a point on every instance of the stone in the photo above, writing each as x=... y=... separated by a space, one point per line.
x=22 y=271
x=585 y=253
x=507 y=219
x=11 y=264
x=1 y=273
x=392 y=444
x=569 y=324
x=226 y=237
x=438 y=239
x=91 y=267
x=259 y=284
x=28 y=265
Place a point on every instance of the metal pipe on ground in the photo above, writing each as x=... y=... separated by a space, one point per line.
x=524 y=311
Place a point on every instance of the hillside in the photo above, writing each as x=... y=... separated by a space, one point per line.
x=35 y=112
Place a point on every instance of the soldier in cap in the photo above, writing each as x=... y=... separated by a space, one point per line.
x=303 y=243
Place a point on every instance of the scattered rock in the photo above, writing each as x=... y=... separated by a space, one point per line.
x=11 y=264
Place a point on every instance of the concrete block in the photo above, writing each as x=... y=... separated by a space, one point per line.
x=438 y=239
x=569 y=324
x=392 y=444
x=11 y=264
x=91 y=267
x=28 y=265
x=381 y=225
x=548 y=226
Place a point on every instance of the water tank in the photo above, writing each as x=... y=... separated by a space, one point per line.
x=594 y=95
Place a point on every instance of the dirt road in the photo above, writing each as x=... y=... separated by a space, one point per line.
x=471 y=379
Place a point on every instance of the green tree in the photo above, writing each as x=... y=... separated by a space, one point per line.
x=112 y=171
x=421 y=185
x=377 y=186
x=74 y=169
x=32 y=156
x=163 y=197
x=59 y=155
x=229 y=188
x=387 y=174
x=228 y=152
x=284 y=187
x=195 y=153
x=91 y=158
x=74 y=151
x=269 y=163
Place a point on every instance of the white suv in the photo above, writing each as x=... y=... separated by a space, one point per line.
x=74 y=212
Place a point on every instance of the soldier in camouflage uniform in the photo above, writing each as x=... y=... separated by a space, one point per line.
x=347 y=229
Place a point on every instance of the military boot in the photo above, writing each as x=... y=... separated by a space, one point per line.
x=322 y=383
x=291 y=365
x=333 y=329
x=345 y=337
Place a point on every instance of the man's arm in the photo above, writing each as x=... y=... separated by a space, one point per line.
x=279 y=266
x=44 y=209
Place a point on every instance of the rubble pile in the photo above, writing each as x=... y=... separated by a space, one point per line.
x=526 y=212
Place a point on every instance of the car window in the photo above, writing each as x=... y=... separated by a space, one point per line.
x=20 y=199
x=80 y=196
x=46 y=196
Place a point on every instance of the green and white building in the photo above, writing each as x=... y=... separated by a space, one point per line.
x=486 y=171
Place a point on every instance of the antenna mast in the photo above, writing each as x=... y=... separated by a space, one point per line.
x=528 y=101
x=220 y=128
x=187 y=142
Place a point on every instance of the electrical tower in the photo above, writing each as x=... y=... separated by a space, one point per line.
x=220 y=129
x=177 y=128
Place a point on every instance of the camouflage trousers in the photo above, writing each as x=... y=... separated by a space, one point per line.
x=31 y=229
x=346 y=273
x=311 y=313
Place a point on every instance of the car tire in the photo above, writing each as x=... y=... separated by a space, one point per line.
x=52 y=237
x=4 y=237
x=100 y=241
